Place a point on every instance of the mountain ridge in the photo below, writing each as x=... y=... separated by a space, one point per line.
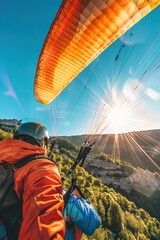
x=140 y=149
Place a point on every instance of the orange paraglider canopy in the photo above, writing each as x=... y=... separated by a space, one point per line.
x=81 y=30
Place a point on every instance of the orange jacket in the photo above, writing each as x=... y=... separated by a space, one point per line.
x=38 y=184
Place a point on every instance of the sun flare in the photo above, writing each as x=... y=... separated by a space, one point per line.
x=119 y=113
x=118 y=117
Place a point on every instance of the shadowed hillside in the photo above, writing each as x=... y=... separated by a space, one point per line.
x=140 y=149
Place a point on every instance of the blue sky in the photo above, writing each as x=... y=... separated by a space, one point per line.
x=124 y=78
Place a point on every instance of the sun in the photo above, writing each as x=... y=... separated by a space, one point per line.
x=119 y=114
x=118 y=117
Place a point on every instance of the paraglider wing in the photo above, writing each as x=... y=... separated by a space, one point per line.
x=81 y=30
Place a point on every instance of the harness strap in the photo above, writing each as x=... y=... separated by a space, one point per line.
x=28 y=159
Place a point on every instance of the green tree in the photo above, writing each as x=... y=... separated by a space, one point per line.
x=154 y=229
x=115 y=218
x=97 y=183
x=135 y=224
x=141 y=236
x=126 y=235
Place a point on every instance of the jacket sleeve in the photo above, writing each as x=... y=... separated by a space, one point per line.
x=42 y=202
x=83 y=214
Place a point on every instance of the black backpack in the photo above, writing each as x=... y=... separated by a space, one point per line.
x=10 y=204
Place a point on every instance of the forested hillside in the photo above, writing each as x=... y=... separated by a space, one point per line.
x=138 y=185
x=120 y=218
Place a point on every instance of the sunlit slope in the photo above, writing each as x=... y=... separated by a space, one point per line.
x=118 y=215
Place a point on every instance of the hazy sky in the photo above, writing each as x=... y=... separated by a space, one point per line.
x=119 y=91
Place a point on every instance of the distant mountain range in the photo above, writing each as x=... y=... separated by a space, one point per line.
x=140 y=149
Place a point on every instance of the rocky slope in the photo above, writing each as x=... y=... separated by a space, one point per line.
x=125 y=178
x=138 y=185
